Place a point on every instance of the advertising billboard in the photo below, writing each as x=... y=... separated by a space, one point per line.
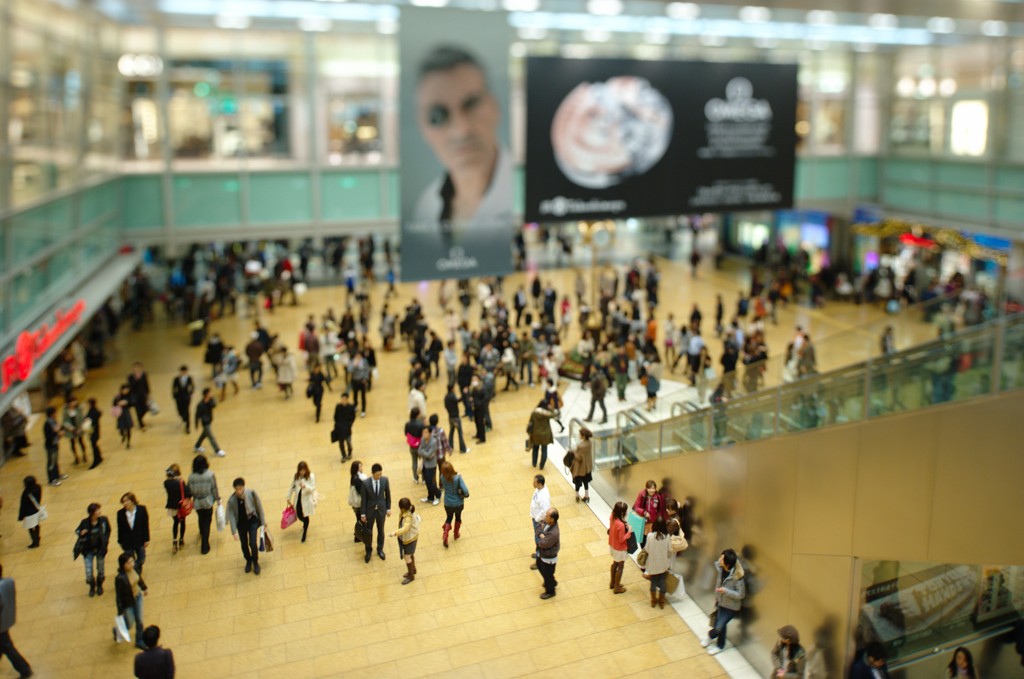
x=617 y=138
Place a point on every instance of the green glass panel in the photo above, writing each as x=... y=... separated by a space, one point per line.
x=42 y=226
x=519 y=190
x=1010 y=178
x=351 y=195
x=1013 y=358
x=206 y=200
x=97 y=201
x=962 y=203
x=962 y=174
x=1010 y=210
x=394 y=194
x=279 y=198
x=908 y=171
x=143 y=202
x=867 y=178
x=906 y=197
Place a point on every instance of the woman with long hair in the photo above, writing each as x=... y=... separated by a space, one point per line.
x=618 y=537
x=355 y=490
x=659 y=558
x=413 y=433
x=128 y=600
x=176 y=491
x=962 y=665
x=203 y=486
x=93 y=427
x=303 y=489
x=408 y=533
x=455 y=494
x=122 y=408
x=583 y=465
x=30 y=509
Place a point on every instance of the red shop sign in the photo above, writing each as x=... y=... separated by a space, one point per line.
x=32 y=344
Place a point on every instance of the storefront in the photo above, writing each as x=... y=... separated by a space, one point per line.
x=809 y=231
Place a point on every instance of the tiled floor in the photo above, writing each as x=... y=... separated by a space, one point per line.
x=317 y=610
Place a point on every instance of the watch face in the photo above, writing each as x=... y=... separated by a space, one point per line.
x=605 y=132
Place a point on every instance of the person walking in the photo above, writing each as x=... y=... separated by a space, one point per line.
x=408 y=534
x=598 y=391
x=455 y=494
x=93 y=538
x=478 y=400
x=413 y=434
x=451 y=406
x=138 y=391
x=287 y=370
x=789 y=659
x=315 y=390
x=427 y=452
x=204 y=417
x=72 y=424
x=202 y=485
x=303 y=489
x=182 y=389
x=254 y=351
x=127 y=598
x=228 y=373
x=31 y=509
x=730 y=588
x=177 y=493
x=359 y=378
x=122 y=411
x=8 y=614
x=540 y=503
x=51 y=440
x=538 y=429
x=659 y=558
x=155 y=662
x=93 y=427
x=376 y=507
x=548 y=544
x=133 y=529
x=583 y=465
x=618 y=539
x=344 y=418
x=245 y=516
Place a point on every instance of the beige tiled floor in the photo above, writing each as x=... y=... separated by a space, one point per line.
x=317 y=610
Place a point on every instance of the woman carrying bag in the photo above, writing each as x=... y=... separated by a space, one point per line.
x=303 y=490
x=93 y=537
x=618 y=545
x=408 y=534
x=202 y=484
x=128 y=600
x=31 y=512
x=659 y=558
x=455 y=494
x=179 y=505
x=583 y=465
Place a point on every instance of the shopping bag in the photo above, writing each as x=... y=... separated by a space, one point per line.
x=288 y=517
x=268 y=542
x=154 y=408
x=220 y=518
x=636 y=523
x=121 y=627
x=671 y=582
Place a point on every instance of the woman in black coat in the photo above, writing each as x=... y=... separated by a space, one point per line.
x=133 y=536
x=315 y=391
x=31 y=504
x=129 y=602
x=138 y=389
x=93 y=537
x=177 y=491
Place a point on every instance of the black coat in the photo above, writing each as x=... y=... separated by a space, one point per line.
x=123 y=596
x=129 y=537
x=27 y=508
x=344 y=417
x=97 y=539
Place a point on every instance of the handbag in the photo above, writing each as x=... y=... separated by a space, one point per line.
x=121 y=629
x=355 y=498
x=115 y=411
x=363 y=532
x=34 y=520
x=80 y=546
x=266 y=542
x=185 y=504
x=220 y=517
x=677 y=543
x=631 y=544
x=413 y=441
x=334 y=436
x=288 y=517
x=671 y=582
x=641 y=558
x=154 y=408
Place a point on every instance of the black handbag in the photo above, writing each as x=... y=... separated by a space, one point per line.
x=631 y=543
x=334 y=436
x=80 y=545
x=363 y=532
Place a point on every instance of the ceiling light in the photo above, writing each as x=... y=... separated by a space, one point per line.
x=994 y=28
x=905 y=86
x=864 y=47
x=683 y=11
x=927 y=87
x=755 y=15
x=657 y=38
x=883 y=21
x=521 y=5
x=533 y=33
x=387 y=27
x=575 y=51
x=711 y=40
x=947 y=87
x=821 y=17
x=605 y=8
x=429 y=3
x=817 y=45
x=597 y=35
x=766 y=43
x=315 y=24
x=941 y=25
x=232 y=21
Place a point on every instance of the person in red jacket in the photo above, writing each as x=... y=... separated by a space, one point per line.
x=649 y=504
x=618 y=536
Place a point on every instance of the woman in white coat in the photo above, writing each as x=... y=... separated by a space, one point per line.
x=286 y=371
x=303 y=490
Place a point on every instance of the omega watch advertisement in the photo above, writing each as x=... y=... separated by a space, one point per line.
x=617 y=138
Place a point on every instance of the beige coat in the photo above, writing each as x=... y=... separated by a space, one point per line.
x=583 y=464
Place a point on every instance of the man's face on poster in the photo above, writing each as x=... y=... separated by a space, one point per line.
x=458 y=117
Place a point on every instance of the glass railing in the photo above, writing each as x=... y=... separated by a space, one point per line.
x=985 y=359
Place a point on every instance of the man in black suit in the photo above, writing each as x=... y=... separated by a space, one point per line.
x=181 y=390
x=133 y=529
x=376 y=507
x=154 y=662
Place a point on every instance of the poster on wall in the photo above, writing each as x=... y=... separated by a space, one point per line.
x=456 y=174
x=616 y=138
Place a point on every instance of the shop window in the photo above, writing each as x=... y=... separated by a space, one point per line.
x=968 y=128
x=917 y=126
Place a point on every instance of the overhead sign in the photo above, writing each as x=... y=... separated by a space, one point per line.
x=31 y=344
x=617 y=138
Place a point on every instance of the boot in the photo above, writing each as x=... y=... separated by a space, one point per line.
x=661 y=600
x=614 y=570
x=99 y=586
x=412 y=562
x=619 y=589
x=92 y=586
x=447 y=527
x=654 y=599
x=409 y=576
x=458 y=525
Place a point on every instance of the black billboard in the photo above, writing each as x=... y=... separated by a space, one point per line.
x=617 y=138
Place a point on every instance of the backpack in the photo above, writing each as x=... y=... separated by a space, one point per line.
x=569 y=459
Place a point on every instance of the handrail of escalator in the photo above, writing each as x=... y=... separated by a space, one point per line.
x=948 y=646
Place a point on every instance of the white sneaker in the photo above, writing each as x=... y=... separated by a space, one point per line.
x=362 y=414
x=221 y=453
x=715 y=650
x=199 y=449
x=465 y=451
x=706 y=642
x=435 y=502
x=424 y=499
